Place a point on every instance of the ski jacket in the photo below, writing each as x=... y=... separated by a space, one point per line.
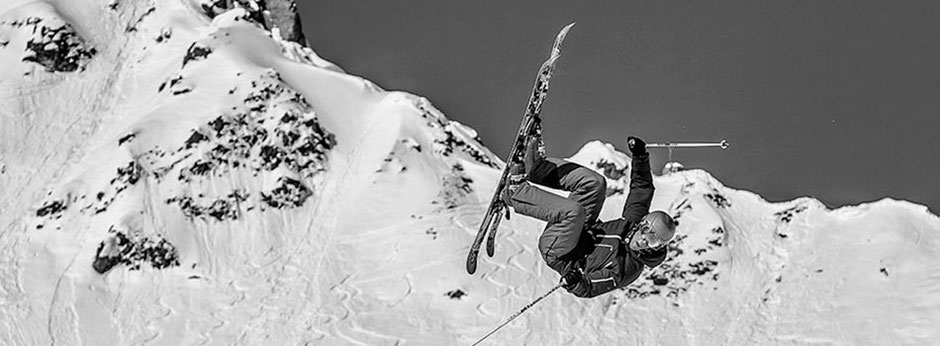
x=602 y=253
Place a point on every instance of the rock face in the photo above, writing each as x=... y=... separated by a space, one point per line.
x=284 y=16
x=176 y=173
x=279 y=14
x=133 y=251
x=45 y=39
x=56 y=47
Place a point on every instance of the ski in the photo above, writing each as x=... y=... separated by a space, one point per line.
x=496 y=207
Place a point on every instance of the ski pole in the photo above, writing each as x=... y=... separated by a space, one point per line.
x=669 y=145
x=723 y=145
x=513 y=316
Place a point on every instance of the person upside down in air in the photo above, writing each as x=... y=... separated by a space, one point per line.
x=593 y=257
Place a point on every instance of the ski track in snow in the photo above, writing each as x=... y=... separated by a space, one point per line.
x=332 y=221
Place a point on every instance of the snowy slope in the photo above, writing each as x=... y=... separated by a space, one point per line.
x=233 y=187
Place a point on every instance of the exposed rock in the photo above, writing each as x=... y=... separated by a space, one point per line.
x=134 y=250
x=290 y=194
x=57 y=47
x=455 y=294
x=283 y=16
x=196 y=52
x=271 y=14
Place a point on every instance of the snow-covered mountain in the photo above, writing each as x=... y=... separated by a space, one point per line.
x=175 y=173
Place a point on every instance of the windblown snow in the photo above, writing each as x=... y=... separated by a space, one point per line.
x=175 y=173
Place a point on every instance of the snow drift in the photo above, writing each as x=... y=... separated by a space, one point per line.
x=175 y=173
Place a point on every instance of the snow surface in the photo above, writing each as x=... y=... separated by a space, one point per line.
x=235 y=188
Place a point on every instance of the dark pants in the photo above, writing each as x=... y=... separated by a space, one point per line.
x=566 y=217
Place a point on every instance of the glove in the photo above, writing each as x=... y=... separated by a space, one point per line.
x=636 y=145
x=572 y=278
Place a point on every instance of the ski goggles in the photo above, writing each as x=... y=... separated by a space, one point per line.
x=648 y=237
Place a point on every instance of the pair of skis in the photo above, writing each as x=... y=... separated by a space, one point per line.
x=529 y=123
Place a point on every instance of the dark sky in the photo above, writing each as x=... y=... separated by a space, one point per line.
x=837 y=100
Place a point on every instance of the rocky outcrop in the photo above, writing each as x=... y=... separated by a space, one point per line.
x=284 y=16
x=280 y=14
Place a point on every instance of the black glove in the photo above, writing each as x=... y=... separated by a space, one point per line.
x=572 y=278
x=636 y=145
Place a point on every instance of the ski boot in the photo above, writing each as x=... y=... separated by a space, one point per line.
x=517 y=176
x=519 y=169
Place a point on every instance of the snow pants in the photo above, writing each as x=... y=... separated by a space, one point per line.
x=566 y=217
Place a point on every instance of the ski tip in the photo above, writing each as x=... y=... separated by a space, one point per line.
x=564 y=31
x=472 y=262
x=556 y=48
x=471 y=266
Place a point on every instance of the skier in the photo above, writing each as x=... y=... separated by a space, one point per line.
x=593 y=257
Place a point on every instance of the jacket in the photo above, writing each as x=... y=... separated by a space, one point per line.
x=602 y=253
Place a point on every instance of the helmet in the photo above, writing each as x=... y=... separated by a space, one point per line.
x=653 y=232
